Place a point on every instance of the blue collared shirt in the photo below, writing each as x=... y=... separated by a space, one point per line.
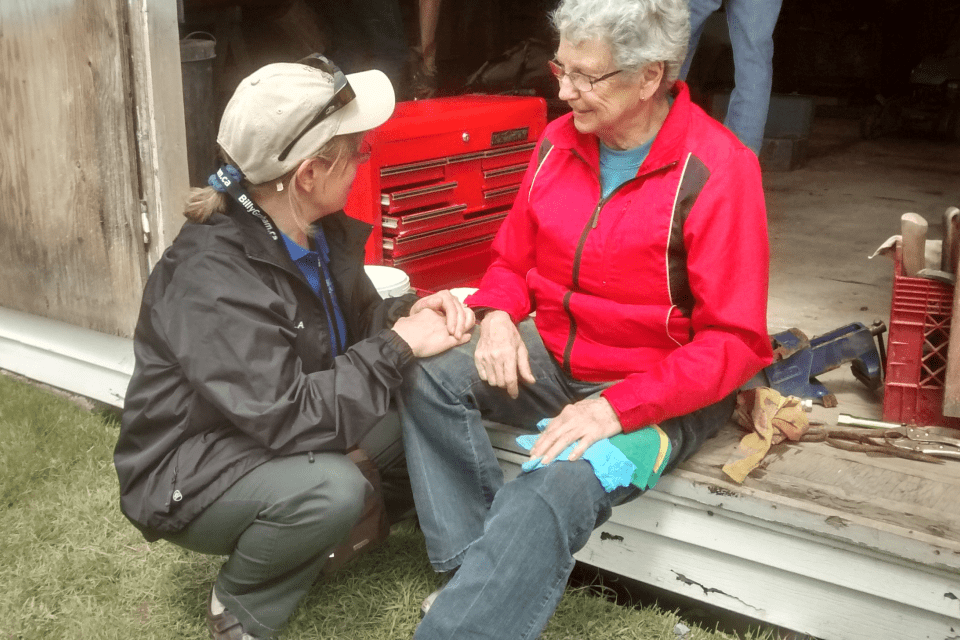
x=311 y=263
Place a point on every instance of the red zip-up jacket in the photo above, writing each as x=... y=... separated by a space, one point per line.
x=662 y=285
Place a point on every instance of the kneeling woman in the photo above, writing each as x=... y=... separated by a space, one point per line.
x=263 y=351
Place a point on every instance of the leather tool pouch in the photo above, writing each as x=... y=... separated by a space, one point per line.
x=373 y=526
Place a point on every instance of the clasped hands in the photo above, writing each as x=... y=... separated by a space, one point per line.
x=436 y=323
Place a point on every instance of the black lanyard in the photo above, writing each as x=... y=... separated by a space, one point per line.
x=238 y=193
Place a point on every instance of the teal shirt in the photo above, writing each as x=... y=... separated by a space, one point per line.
x=616 y=167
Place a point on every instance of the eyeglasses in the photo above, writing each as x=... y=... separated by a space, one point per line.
x=580 y=82
x=343 y=94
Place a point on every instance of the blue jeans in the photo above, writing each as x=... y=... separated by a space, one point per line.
x=751 y=24
x=513 y=542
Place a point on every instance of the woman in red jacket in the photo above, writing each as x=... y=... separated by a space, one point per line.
x=639 y=240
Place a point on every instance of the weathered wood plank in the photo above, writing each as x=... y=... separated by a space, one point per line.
x=161 y=132
x=901 y=493
x=951 y=383
x=70 y=237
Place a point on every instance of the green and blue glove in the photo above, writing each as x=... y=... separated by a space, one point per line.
x=637 y=458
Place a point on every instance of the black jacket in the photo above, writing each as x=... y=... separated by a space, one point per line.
x=234 y=365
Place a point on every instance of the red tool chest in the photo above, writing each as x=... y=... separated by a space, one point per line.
x=441 y=178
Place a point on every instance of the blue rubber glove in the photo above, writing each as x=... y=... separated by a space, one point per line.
x=612 y=468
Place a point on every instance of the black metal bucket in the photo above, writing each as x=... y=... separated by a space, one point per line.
x=199 y=108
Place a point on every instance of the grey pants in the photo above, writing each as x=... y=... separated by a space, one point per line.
x=278 y=524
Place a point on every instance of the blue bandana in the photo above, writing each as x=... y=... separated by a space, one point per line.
x=231 y=172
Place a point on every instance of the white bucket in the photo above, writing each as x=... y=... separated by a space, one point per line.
x=461 y=293
x=389 y=281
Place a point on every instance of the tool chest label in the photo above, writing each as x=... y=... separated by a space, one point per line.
x=498 y=138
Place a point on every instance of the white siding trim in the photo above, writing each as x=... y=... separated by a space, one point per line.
x=78 y=360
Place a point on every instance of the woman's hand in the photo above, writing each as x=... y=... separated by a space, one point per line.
x=427 y=333
x=584 y=422
x=460 y=319
x=501 y=357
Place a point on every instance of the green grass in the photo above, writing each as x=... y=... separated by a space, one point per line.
x=72 y=567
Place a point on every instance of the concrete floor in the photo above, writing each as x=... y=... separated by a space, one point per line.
x=827 y=217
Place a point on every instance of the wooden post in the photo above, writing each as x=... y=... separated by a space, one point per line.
x=951 y=384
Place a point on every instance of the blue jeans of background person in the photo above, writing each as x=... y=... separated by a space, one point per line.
x=751 y=24
x=513 y=542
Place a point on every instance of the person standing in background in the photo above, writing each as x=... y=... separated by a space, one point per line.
x=751 y=24
x=425 y=73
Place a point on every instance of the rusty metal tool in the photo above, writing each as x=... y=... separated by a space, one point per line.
x=868 y=443
x=913 y=234
x=939 y=442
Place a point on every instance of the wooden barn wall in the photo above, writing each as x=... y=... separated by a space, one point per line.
x=71 y=243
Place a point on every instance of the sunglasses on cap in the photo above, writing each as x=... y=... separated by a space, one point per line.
x=343 y=94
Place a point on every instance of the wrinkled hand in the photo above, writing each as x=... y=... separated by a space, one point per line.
x=427 y=334
x=501 y=357
x=460 y=319
x=583 y=422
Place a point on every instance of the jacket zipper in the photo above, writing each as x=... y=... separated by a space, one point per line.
x=575 y=279
x=175 y=495
x=299 y=277
x=578 y=255
x=575 y=274
x=327 y=297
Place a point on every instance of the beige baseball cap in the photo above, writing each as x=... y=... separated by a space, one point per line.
x=277 y=104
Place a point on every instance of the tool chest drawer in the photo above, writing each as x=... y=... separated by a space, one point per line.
x=441 y=178
x=410 y=243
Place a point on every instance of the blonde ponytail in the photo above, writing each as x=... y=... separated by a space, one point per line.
x=203 y=203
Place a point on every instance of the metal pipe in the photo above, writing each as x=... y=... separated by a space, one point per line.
x=853 y=421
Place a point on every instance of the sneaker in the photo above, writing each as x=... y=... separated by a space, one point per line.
x=422 y=80
x=424 y=84
x=428 y=601
x=224 y=625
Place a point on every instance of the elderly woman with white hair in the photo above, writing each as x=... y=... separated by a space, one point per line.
x=639 y=240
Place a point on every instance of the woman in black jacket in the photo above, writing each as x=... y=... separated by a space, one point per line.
x=263 y=351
